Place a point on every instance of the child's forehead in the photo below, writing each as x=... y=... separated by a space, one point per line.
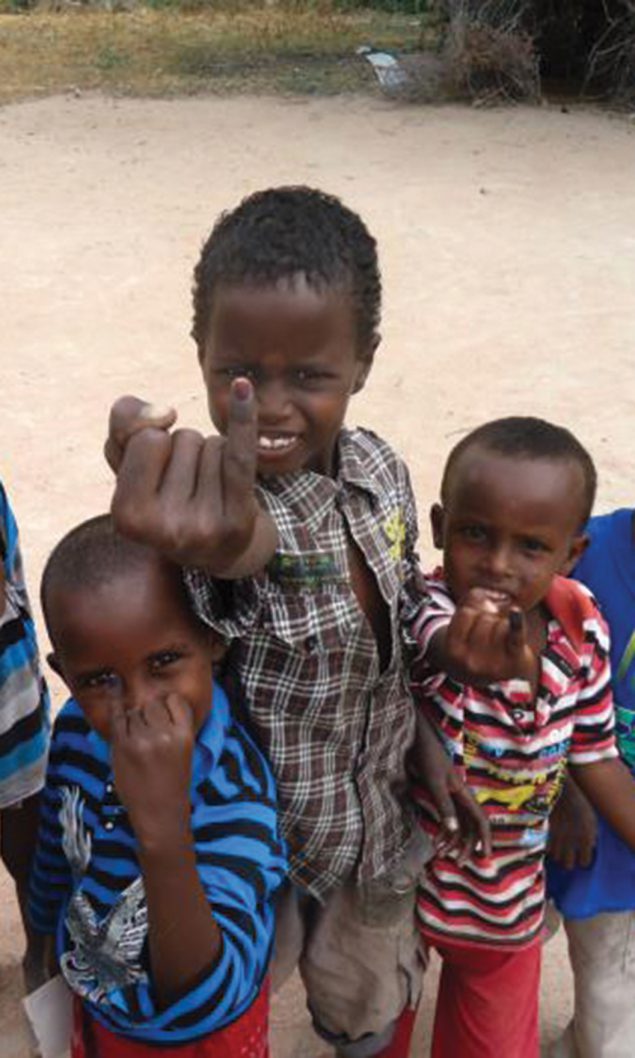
x=121 y=589
x=484 y=476
x=297 y=312
x=294 y=291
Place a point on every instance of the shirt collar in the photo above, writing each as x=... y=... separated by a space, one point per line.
x=212 y=736
x=294 y=489
x=571 y=607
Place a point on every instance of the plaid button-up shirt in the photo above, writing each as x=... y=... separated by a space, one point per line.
x=304 y=663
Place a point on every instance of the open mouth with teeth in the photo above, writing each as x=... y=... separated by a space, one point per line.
x=276 y=444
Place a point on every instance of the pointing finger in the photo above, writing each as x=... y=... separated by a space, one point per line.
x=240 y=451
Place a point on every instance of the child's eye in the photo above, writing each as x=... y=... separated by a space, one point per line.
x=96 y=680
x=475 y=533
x=533 y=545
x=310 y=375
x=232 y=373
x=161 y=661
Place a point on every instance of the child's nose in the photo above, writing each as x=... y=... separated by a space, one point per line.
x=137 y=694
x=499 y=561
x=273 y=401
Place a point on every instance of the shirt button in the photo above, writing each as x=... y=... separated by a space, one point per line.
x=109 y=825
x=518 y=714
x=109 y=787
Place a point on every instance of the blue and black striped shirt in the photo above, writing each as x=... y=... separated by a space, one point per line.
x=24 y=701
x=87 y=888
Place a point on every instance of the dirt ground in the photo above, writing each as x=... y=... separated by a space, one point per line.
x=508 y=252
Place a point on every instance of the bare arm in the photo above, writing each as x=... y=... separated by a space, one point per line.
x=183 y=936
x=152 y=760
x=464 y=824
x=610 y=788
x=572 y=828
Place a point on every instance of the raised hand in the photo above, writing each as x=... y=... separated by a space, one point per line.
x=152 y=752
x=486 y=641
x=190 y=497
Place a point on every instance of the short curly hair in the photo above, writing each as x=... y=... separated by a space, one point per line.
x=527 y=437
x=287 y=231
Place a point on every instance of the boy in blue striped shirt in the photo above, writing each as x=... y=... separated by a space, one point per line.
x=159 y=852
x=24 y=728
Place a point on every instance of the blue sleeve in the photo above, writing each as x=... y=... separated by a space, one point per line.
x=241 y=860
x=24 y=700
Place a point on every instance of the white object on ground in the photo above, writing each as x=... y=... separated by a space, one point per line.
x=50 y=1014
x=390 y=73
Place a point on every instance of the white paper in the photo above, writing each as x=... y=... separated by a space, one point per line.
x=50 y=1014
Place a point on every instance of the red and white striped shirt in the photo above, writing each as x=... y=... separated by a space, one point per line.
x=513 y=751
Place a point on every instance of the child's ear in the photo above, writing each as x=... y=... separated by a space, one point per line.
x=577 y=548
x=217 y=647
x=437 y=523
x=54 y=663
x=365 y=361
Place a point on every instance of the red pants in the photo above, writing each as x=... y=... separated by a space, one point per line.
x=487 y=1005
x=248 y=1037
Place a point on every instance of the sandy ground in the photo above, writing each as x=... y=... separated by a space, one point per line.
x=508 y=254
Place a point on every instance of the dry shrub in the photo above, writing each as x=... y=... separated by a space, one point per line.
x=611 y=62
x=489 y=56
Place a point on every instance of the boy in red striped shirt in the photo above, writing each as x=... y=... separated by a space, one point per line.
x=513 y=671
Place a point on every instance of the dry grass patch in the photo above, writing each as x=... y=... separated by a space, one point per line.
x=146 y=52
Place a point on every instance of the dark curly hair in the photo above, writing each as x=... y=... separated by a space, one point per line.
x=282 y=232
x=527 y=437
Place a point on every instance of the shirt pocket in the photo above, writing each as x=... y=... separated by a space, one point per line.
x=308 y=622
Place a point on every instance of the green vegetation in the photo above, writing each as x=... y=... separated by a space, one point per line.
x=188 y=48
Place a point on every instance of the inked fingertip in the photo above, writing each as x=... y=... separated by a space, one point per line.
x=241 y=389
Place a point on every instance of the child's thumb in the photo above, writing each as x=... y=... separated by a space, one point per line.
x=128 y=415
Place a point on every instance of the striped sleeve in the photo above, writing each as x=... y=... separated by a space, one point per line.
x=434 y=615
x=435 y=693
x=241 y=861
x=593 y=736
x=24 y=702
x=50 y=882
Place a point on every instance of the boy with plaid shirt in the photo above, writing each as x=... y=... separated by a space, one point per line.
x=311 y=574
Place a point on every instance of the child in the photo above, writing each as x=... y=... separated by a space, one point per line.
x=24 y=729
x=514 y=673
x=307 y=566
x=159 y=854
x=598 y=903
